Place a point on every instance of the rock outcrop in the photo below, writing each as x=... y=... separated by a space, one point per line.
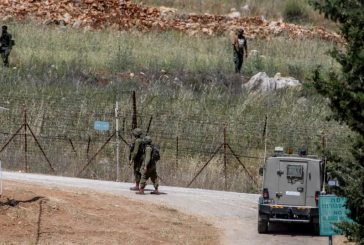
x=262 y=82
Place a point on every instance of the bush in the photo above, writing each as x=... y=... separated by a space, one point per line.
x=295 y=11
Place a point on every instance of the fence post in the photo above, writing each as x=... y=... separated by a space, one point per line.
x=265 y=137
x=25 y=138
x=225 y=159
x=323 y=139
x=88 y=145
x=150 y=122
x=177 y=152
x=117 y=140
x=135 y=122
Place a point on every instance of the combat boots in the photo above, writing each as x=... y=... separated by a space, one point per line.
x=155 y=192
x=136 y=188
x=140 y=192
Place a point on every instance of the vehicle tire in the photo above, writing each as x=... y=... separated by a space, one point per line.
x=262 y=227
x=316 y=226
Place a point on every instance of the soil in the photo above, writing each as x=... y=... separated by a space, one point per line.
x=36 y=214
x=340 y=240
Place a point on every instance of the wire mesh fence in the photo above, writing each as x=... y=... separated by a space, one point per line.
x=61 y=135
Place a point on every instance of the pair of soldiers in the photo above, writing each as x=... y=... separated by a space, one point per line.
x=6 y=45
x=142 y=156
x=240 y=47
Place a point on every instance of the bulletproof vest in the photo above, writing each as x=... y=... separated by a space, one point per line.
x=141 y=150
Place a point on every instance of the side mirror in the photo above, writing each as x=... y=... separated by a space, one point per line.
x=261 y=171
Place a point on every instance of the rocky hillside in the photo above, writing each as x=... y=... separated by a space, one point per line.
x=125 y=15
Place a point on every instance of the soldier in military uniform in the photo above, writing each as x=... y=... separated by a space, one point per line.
x=149 y=167
x=240 y=47
x=6 y=45
x=136 y=156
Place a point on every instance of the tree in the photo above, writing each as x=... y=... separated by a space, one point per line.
x=345 y=89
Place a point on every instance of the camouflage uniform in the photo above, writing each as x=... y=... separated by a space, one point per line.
x=136 y=157
x=6 y=46
x=149 y=169
x=240 y=45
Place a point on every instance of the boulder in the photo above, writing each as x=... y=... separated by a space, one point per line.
x=254 y=53
x=261 y=82
x=275 y=28
x=234 y=15
x=245 y=8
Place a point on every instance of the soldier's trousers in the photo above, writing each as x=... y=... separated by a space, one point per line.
x=152 y=174
x=5 y=56
x=238 y=60
x=137 y=166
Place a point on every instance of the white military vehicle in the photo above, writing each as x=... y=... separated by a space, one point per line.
x=291 y=187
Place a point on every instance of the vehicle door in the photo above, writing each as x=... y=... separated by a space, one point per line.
x=292 y=183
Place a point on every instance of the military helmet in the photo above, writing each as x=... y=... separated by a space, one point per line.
x=148 y=140
x=4 y=27
x=137 y=132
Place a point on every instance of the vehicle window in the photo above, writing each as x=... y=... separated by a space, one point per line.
x=294 y=171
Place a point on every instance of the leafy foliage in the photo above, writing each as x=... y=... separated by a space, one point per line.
x=345 y=89
x=295 y=11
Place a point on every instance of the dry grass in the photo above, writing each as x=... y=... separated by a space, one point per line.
x=54 y=51
x=270 y=9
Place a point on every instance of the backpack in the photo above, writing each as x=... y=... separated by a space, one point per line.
x=155 y=154
x=141 y=150
x=12 y=42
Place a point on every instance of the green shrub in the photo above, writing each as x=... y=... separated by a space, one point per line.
x=295 y=11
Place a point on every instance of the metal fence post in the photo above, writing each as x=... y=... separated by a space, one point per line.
x=117 y=141
x=150 y=122
x=25 y=138
x=225 y=159
x=323 y=139
x=134 y=122
x=177 y=152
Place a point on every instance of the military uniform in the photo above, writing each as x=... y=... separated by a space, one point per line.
x=149 y=168
x=6 y=46
x=240 y=47
x=136 y=157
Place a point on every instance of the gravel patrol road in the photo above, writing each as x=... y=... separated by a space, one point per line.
x=234 y=213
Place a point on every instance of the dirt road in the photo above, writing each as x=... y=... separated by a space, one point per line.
x=234 y=213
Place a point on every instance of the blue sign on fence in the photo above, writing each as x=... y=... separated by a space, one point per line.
x=331 y=210
x=101 y=125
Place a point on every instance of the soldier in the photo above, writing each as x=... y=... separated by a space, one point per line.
x=149 y=166
x=6 y=45
x=240 y=45
x=136 y=156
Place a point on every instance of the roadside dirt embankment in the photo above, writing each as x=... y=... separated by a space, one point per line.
x=35 y=214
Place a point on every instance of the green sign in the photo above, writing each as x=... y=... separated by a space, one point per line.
x=331 y=210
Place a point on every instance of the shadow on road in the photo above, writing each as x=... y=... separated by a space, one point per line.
x=290 y=230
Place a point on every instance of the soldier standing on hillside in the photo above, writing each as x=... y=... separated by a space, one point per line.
x=149 y=166
x=136 y=156
x=240 y=46
x=6 y=45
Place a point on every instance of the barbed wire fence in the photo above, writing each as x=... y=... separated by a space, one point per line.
x=52 y=134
